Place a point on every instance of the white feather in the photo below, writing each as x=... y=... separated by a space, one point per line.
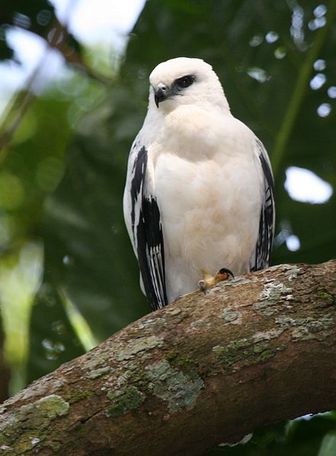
x=205 y=172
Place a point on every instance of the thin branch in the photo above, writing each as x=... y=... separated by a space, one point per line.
x=299 y=91
x=56 y=36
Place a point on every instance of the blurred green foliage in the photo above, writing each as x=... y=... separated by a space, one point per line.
x=62 y=172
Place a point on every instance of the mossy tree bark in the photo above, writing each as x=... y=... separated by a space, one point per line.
x=206 y=369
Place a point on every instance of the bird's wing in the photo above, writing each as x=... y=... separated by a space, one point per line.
x=142 y=216
x=262 y=255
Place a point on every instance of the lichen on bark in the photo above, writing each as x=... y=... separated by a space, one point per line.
x=268 y=334
x=28 y=423
x=173 y=386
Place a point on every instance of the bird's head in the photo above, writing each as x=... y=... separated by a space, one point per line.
x=185 y=81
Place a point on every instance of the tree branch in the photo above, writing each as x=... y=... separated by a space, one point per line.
x=204 y=370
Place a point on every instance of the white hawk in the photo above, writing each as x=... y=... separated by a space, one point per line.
x=199 y=191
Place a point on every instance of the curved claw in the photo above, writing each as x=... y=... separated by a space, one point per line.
x=203 y=285
x=209 y=281
x=223 y=274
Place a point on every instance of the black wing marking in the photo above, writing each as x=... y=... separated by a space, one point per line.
x=137 y=184
x=262 y=256
x=147 y=234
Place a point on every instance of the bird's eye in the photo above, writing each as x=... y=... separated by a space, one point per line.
x=185 y=81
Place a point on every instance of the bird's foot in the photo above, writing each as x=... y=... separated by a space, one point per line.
x=210 y=281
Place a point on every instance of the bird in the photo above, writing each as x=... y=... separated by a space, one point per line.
x=199 y=199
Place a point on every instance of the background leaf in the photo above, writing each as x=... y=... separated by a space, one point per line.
x=65 y=161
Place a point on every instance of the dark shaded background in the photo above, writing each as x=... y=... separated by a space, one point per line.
x=68 y=278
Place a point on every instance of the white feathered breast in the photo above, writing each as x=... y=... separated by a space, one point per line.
x=198 y=197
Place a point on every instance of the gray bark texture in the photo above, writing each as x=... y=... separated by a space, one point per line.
x=207 y=369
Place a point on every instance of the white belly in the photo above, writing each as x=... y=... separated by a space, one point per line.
x=210 y=216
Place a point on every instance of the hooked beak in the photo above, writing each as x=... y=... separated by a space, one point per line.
x=161 y=94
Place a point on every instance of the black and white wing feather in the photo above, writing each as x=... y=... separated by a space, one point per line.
x=262 y=256
x=143 y=222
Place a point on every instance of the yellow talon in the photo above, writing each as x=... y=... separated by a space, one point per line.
x=209 y=280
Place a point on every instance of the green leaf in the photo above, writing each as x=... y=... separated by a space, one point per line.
x=328 y=445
